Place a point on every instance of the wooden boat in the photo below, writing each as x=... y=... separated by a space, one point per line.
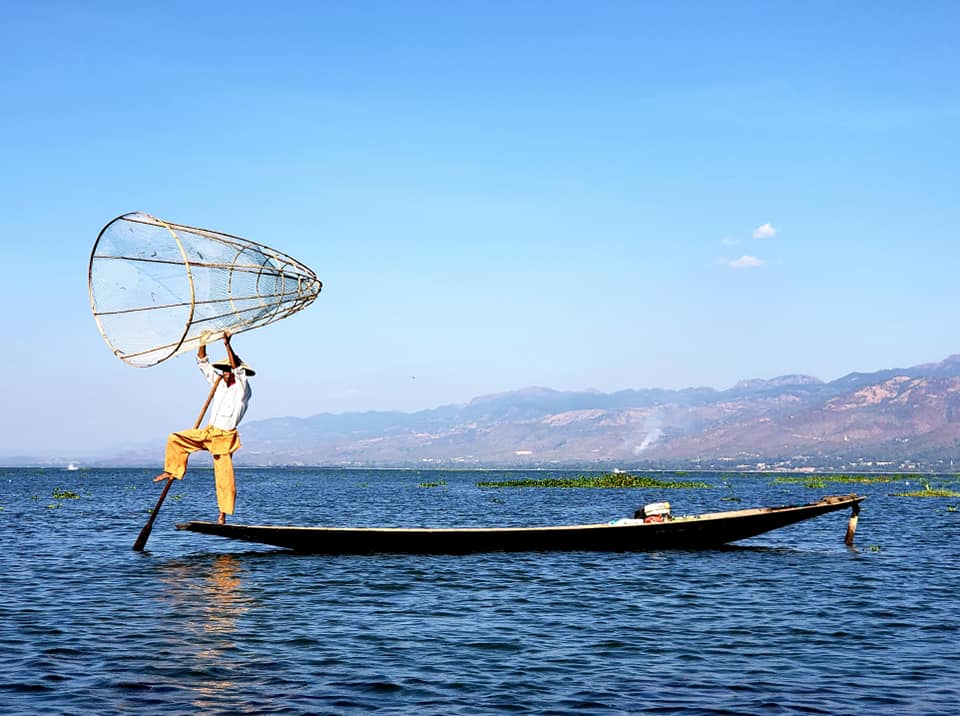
x=695 y=532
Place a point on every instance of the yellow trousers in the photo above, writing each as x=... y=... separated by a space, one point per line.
x=219 y=443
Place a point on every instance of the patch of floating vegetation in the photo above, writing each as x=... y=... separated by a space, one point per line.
x=821 y=481
x=928 y=491
x=61 y=494
x=608 y=480
x=441 y=483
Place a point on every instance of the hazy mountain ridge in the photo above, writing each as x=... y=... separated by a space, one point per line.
x=889 y=419
x=896 y=415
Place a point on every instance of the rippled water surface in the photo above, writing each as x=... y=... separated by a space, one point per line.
x=790 y=622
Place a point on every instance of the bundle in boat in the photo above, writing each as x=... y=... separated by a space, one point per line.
x=157 y=287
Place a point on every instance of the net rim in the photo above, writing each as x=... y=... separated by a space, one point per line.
x=302 y=274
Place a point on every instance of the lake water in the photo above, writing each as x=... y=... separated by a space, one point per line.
x=790 y=622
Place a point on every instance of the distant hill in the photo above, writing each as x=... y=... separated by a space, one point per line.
x=904 y=418
x=893 y=419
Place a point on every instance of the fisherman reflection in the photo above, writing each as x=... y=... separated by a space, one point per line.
x=209 y=599
x=215 y=598
x=226 y=600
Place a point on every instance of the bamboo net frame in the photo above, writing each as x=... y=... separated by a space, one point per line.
x=156 y=287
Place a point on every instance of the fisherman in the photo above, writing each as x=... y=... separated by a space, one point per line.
x=220 y=437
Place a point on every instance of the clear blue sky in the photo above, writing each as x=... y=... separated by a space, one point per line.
x=576 y=195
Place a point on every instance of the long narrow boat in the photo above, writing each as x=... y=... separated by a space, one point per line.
x=695 y=532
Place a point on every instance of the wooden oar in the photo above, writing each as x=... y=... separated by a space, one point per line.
x=852 y=525
x=148 y=528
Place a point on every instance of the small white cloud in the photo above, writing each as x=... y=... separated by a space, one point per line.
x=765 y=231
x=746 y=262
x=729 y=241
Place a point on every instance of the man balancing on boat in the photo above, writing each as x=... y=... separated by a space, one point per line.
x=220 y=438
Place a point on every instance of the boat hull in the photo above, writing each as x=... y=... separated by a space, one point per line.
x=699 y=532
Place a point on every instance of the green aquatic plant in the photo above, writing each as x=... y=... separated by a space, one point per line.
x=928 y=491
x=441 y=483
x=61 y=494
x=819 y=482
x=608 y=480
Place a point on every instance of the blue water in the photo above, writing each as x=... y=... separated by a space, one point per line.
x=790 y=622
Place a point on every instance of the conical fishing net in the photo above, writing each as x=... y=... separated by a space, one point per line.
x=157 y=287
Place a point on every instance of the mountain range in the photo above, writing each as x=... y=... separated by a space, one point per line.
x=905 y=418
x=889 y=420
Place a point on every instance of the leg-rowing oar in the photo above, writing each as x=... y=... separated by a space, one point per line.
x=148 y=528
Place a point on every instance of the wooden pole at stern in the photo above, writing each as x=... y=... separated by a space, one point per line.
x=852 y=524
x=148 y=528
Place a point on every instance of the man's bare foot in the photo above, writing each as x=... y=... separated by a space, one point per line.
x=163 y=476
x=222 y=519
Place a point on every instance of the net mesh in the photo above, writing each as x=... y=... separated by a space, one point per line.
x=157 y=287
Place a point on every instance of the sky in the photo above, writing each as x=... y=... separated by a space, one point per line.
x=576 y=195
